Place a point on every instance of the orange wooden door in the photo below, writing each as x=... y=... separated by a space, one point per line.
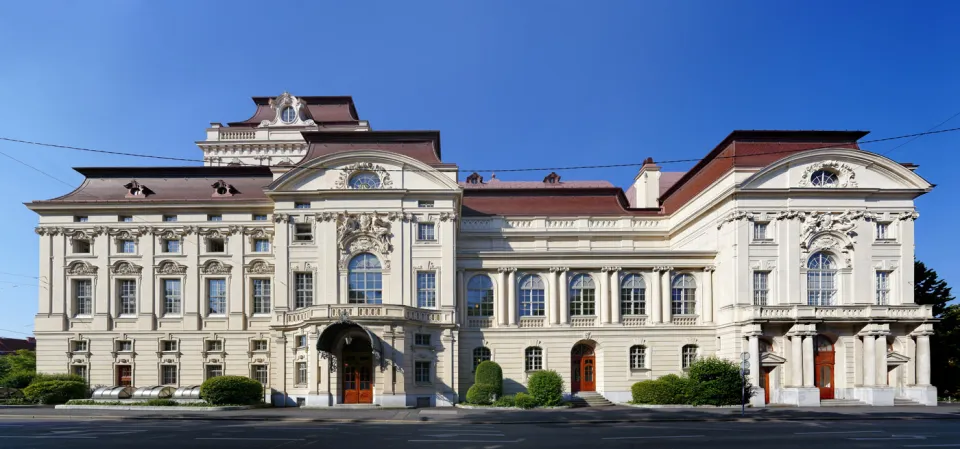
x=125 y=375
x=575 y=374
x=351 y=394
x=588 y=373
x=765 y=381
x=823 y=367
x=357 y=380
x=365 y=385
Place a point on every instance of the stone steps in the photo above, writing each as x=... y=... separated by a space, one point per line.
x=589 y=399
x=841 y=403
x=900 y=402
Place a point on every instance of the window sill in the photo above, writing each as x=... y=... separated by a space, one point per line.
x=166 y=254
x=531 y=371
x=639 y=370
x=83 y=317
x=171 y=317
x=216 y=317
x=885 y=241
x=127 y=317
x=208 y=254
x=427 y=242
x=82 y=255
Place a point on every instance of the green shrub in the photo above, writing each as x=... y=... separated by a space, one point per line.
x=10 y=393
x=223 y=390
x=17 y=379
x=490 y=373
x=546 y=387
x=481 y=394
x=505 y=401
x=55 y=391
x=40 y=377
x=715 y=382
x=669 y=389
x=161 y=403
x=524 y=400
x=16 y=401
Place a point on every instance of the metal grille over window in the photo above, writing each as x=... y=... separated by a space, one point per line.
x=684 y=295
x=821 y=280
x=480 y=296
x=582 y=295
x=427 y=289
x=531 y=295
x=533 y=359
x=760 y=288
x=633 y=295
x=304 y=294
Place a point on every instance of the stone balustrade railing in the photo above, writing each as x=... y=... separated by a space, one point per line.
x=365 y=312
x=842 y=312
x=479 y=322
x=583 y=321
x=531 y=321
x=684 y=320
x=634 y=320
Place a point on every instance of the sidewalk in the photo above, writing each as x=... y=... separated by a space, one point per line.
x=465 y=416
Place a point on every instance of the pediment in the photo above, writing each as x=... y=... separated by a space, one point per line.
x=853 y=169
x=895 y=358
x=771 y=359
x=392 y=172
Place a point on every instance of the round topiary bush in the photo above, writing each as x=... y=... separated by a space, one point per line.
x=490 y=373
x=715 y=382
x=231 y=390
x=55 y=391
x=524 y=400
x=546 y=387
x=481 y=394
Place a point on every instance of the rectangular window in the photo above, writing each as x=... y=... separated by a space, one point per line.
x=127 y=246
x=259 y=345
x=301 y=205
x=169 y=218
x=124 y=376
x=169 y=346
x=127 y=292
x=259 y=217
x=214 y=345
x=302 y=232
x=80 y=219
x=124 y=346
x=81 y=246
x=760 y=287
x=301 y=341
x=689 y=356
x=82 y=297
x=534 y=359
x=422 y=372
x=759 y=231
x=216 y=245
x=259 y=373
x=426 y=232
x=168 y=375
x=171 y=246
x=638 y=357
x=421 y=339
x=261 y=296
x=883 y=231
x=171 y=296
x=425 y=203
x=125 y=219
x=304 y=293
x=427 y=289
x=79 y=346
x=216 y=296
x=79 y=370
x=261 y=246
x=215 y=217
x=301 y=373
x=883 y=288
x=214 y=371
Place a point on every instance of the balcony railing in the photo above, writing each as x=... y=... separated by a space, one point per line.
x=478 y=322
x=237 y=135
x=583 y=321
x=635 y=321
x=843 y=312
x=531 y=321
x=365 y=312
x=684 y=320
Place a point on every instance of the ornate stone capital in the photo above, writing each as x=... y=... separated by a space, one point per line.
x=610 y=269
x=281 y=218
x=908 y=215
x=662 y=268
x=48 y=230
x=557 y=269
x=507 y=269
x=710 y=268
x=735 y=216
x=325 y=216
x=447 y=216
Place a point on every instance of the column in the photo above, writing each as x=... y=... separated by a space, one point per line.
x=550 y=297
x=615 y=296
x=656 y=309
x=460 y=302
x=881 y=360
x=754 y=344
x=604 y=312
x=564 y=300
x=501 y=298
x=512 y=296
x=707 y=314
x=808 y=361
x=923 y=359
x=796 y=361
x=313 y=370
x=665 y=293
x=554 y=304
x=869 y=360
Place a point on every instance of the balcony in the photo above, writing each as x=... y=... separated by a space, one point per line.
x=684 y=320
x=479 y=322
x=865 y=312
x=531 y=321
x=583 y=321
x=635 y=320
x=364 y=313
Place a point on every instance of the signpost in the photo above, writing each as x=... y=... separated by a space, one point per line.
x=744 y=371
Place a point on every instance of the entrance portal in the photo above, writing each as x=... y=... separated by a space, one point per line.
x=823 y=361
x=583 y=368
x=357 y=372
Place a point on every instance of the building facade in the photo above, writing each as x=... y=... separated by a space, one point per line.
x=337 y=264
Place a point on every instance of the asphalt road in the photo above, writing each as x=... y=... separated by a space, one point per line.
x=167 y=434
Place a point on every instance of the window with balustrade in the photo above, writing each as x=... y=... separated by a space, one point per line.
x=633 y=295
x=683 y=295
x=480 y=296
x=582 y=295
x=532 y=295
x=821 y=280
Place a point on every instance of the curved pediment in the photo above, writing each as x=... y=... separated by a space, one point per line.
x=850 y=169
x=391 y=170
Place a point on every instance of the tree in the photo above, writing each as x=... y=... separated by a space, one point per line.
x=945 y=343
x=928 y=288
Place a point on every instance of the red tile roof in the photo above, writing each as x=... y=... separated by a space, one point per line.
x=423 y=146
x=11 y=345
x=320 y=109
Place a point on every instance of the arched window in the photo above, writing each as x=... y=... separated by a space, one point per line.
x=533 y=358
x=821 y=280
x=481 y=354
x=288 y=115
x=365 y=280
x=480 y=296
x=531 y=295
x=582 y=295
x=689 y=355
x=823 y=178
x=633 y=295
x=638 y=357
x=365 y=180
x=684 y=295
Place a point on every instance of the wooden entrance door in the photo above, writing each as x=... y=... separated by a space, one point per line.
x=357 y=373
x=765 y=382
x=583 y=369
x=823 y=366
x=124 y=376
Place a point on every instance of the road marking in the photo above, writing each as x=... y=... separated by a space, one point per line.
x=651 y=437
x=447 y=435
x=62 y=437
x=892 y=437
x=838 y=432
x=465 y=441
x=934 y=445
x=251 y=439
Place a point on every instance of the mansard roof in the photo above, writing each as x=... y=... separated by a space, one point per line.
x=320 y=109
x=423 y=146
x=563 y=201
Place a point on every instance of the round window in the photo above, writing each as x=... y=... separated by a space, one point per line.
x=823 y=178
x=288 y=115
x=365 y=180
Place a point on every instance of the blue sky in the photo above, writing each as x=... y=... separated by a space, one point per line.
x=510 y=84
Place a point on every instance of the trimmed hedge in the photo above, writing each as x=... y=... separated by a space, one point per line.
x=546 y=387
x=524 y=400
x=40 y=377
x=716 y=382
x=481 y=394
x=55 y=391
x=669 y=389
x=223 y=390
x=505 y=401
x=490 y=373
x=17 y=379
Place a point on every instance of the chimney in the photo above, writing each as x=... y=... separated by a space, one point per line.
x=646 y=186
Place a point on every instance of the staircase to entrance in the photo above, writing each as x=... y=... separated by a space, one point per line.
x=589 y=399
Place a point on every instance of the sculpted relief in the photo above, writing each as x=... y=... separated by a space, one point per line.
x=368 y=231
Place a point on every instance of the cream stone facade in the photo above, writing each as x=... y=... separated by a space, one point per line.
x=338 y=264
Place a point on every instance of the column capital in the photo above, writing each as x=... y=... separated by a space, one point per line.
x=753 y=334
x=609 y=269
x=663 y=268
x=559 y=269
x=507 y=269
x=710 y=268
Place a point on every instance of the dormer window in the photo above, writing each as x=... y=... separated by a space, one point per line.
x=823 y=178
x=474 y=178
x=288 y=115
x=221 y=188
x=135 y=189
x=552 y=178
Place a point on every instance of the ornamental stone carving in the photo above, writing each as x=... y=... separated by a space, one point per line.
x=48 y=230
x=735 y=216
x=257 y=233
x=447 y=216
x=174 y=233
x=281 y=218
x=81 y=268
x=215 y=267
x=281 y=103
x=326 y=216
x=820 y=222
x=663 y=268
x=846 y=177
x=362 y=232
x=350 y=170
x=908 y=215
x=219 y=233
x=124 y=268
x=260 y=267
x=171 y=267
x=401 y=216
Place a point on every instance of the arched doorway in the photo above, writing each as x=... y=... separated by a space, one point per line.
x=823 y=366
x=583 y=368
x=356 y=372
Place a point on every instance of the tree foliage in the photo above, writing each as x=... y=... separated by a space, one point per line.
x=929 y=289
